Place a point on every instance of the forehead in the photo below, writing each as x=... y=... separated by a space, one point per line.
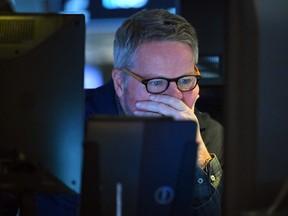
x=165 y=58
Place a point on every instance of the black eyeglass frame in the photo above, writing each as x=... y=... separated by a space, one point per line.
x=145 y=81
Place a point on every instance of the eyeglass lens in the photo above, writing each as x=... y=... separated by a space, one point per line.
x=186 y=83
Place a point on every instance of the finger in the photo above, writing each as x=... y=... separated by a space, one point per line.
x=157 y=107
x=146 y=114
x=193 y=106
x=170 y=101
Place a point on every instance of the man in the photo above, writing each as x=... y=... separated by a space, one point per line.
x=155 y=74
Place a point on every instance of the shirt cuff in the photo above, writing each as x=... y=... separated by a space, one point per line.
x=206 y=181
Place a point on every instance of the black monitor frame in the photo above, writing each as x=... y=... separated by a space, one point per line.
x=42 y=97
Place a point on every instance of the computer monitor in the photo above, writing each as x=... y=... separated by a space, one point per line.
x=42 y=101
x=255 y=173
x=138 y=166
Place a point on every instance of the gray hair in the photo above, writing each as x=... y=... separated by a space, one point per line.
x=147 y=26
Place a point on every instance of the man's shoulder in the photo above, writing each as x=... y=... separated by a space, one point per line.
x=100 y=100
x=206 y=121
x=104 y=90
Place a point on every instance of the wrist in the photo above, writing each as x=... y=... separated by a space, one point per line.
x=206 y=162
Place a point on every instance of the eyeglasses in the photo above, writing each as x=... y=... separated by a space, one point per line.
x=159 y=85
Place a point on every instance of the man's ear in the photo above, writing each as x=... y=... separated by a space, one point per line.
x=118 y=82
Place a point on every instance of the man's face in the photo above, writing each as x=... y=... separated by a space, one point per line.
x=167 y=59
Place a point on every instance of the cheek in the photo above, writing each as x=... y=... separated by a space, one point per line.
x=135 y=92
x=189 y=98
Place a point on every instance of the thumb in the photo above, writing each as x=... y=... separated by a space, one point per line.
x=193 y=106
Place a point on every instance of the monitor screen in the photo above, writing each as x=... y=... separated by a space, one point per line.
x=42 y=99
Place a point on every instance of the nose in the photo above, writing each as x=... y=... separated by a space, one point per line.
x=173 y=91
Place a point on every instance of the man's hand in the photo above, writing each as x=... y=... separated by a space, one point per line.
x=164 y=105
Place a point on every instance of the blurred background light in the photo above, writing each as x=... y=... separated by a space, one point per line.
x=92 y=77
x=123 y=4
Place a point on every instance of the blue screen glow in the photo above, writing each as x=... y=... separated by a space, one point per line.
x=124 y=4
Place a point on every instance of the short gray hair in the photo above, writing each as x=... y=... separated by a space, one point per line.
x=147 y=26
